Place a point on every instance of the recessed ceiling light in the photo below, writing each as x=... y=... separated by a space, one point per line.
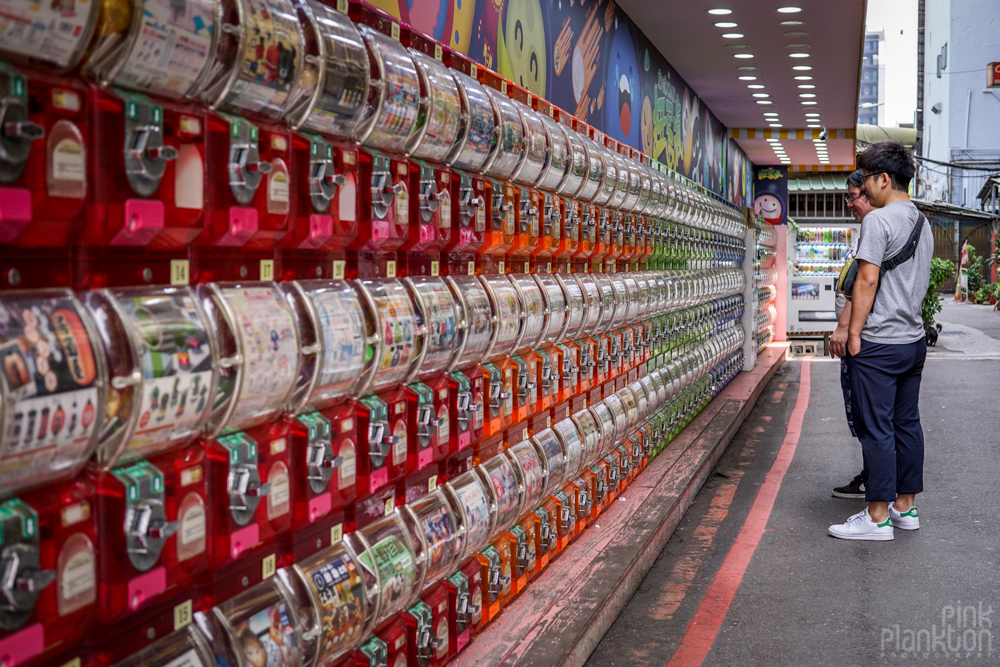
x=802 y=68
x=761 y=95
x=796 y=34
x=755 y=86
x=796 y=46
x=746 y=68
x=809 y=103
x=770 y=113
x=763 y=101
x=806 y=86
x=774 y=124
x=813 y=125
x=743 y=55
x=817 y=140
x=798 y=55
x=772 y=141
x=737 y=47
x=789 y=10
x=748 y=77
x=725 y=24
x=812 y=113
x=803 y=77
x=732 y=35
x=720 y=12
x=807 y=94
x=791 y=23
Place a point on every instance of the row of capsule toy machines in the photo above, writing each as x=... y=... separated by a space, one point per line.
x=318 y=341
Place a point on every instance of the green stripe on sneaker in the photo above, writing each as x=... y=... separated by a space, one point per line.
x=887 y=522
x=910 y=512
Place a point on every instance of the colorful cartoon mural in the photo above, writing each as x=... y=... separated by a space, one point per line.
x=589 y=58
x=770 y=191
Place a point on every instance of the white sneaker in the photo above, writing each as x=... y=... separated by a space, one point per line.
x=908 y=520
x=861 y=527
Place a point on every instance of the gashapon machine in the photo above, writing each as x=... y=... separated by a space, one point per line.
x=503 y=206
x=326 y=108
x=154 y=500
x=531 y=203
x=501 y=374
x=55 y=390
x=497 y=560
x=466 y=611
x=253 y=80
x=467 y=390
x=387 y=124
x=554 y=237
x=583 y=148
x=324 y=435
x=525 y=535
x=575 y=231
x=435 y=139
x=528 y=366
x=248 y=442
x=552 y=528
x=381 y=411
x=474 y=151
x=442 y=328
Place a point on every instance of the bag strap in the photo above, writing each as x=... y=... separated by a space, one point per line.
x=910 y=248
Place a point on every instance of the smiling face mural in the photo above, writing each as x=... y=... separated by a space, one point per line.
x=521 y=45
x=771 y=194
x=621 y=94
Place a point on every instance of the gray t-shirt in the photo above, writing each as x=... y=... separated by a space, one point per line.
x=895 y=317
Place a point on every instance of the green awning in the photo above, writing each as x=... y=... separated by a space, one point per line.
x=826 y=182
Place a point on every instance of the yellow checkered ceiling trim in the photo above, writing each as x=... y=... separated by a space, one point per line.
x=788 y=133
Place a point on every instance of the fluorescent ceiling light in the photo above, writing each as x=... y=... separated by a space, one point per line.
x=755 y=86
x=803 y=77
x=789 y=10
x=807 y=95
x=809 y=103
x=743 y=55
x=720 y=12
x=796 y=34
x=732 y=35
x=761 y=95
x=798 y=55
x=806 y=86
x=813 y=125
x=763 y=101
x=802 y=68
x=746 y=68
x=774 y=124
x=725 y=24
x=748 y=77
x=791 y=23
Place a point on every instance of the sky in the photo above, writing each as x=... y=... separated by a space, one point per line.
x=898 y=53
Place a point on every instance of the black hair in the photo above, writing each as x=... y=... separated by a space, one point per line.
x=889 y=157
x=857 y=179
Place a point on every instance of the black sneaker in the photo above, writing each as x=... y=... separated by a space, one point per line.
x=855 y=490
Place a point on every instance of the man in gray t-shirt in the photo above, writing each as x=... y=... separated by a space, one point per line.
x=895 y=317
x=886 y=347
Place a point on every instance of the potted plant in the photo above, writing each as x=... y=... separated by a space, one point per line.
x=941 y=271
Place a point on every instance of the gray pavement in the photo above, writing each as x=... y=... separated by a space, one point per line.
x=809 y=599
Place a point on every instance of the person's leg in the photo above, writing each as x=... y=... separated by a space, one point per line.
x=908 y=432
x=855 y=489
x=873 y=393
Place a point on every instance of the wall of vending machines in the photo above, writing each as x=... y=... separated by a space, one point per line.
x=816 y=252
x=318 y=341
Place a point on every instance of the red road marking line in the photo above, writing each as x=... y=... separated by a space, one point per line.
x=704 y=625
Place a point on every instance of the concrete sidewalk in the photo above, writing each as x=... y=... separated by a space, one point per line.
x=563 y=614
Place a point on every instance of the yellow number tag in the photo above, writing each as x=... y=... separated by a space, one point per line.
x=267 y=269
x=269 y=566
x=182 y=614
x=180 y=272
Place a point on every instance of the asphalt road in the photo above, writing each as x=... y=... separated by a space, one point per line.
x=808 y=599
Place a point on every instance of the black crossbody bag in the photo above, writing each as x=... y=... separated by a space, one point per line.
x=849 y=274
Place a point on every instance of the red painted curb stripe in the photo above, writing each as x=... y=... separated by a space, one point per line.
x=704 y=626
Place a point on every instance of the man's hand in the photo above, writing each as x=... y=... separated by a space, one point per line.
x=854 y=345
x=838 y=342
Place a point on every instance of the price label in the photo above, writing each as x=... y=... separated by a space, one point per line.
x=395 y=31
x=267 y=269
x=438 y=52
x=432 y=483
x=390 y=505
x=338 y=269
x=435 y=268
x=269 y=566
x=342 y=6
x=390 y=269
x=472 y=268
x=501 y=266
x=473 y=70
x=526 y=268
x=336 y=533
x=183 y=614
x=548 y=267
x=180 y=272
x=503 y=86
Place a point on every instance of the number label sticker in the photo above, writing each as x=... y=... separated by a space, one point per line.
x=338 y=269
x=182 y=614
x=435 y=268
x=342 y=6
x=472 y=268
x=180 y=272
x=395 y=31
x=269 y=566
x=390 y=269
x=267 y=269
x=438 y=52
x=390 y=505
x=432 y=483
x=337 y=533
